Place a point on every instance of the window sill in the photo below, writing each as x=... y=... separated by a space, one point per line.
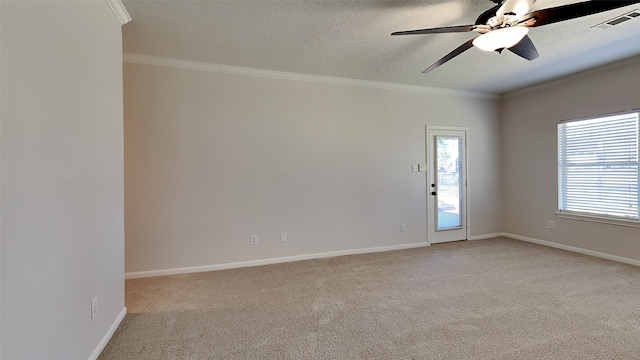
x=598 y=218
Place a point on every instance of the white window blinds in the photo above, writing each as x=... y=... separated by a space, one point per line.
x=598 y=166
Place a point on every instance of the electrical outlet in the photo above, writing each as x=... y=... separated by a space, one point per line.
x=254 y=239
x=402 y=227
x=283 y=237
x=550 y=224
x=94 y=307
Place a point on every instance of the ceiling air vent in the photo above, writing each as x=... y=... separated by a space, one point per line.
x=618 y=20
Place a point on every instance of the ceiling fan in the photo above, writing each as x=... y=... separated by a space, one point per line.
x=506 y=25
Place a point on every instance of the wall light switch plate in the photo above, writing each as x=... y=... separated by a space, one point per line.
x=414 y=168
x=94 y=307
x=422 y=167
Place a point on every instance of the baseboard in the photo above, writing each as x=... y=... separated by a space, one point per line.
x=108 y=335
x=575 y=249
x=485 y=236
x=234 y=265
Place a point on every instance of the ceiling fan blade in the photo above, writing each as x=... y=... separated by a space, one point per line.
x=459 y=50
x=485 y=16
x=481 y=20
x=440 y=30
x=572 y=11
x=525 y=49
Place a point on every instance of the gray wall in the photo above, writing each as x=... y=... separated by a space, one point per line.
x=62 y=234
x=529 y=158
x=212 y=158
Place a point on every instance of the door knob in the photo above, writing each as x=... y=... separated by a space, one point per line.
x=433 y=193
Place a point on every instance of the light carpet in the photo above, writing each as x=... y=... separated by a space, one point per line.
x=488 y=299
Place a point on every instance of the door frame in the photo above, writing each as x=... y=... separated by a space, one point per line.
x=429 y=168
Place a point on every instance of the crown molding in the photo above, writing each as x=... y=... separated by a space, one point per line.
x=617 y=65
x=237 y=70
x=119 y=11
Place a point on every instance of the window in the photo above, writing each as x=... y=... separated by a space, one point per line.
x=598 y=167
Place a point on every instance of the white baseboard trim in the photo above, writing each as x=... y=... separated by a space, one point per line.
x=241 y=264
x=108 y=335
x=485 y=236
x=575 y=249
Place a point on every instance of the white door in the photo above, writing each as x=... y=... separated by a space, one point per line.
x=447 y=184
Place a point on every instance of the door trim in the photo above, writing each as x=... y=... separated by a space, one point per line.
x=467 y=215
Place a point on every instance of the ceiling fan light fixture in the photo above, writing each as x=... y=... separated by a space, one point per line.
x=501 y=38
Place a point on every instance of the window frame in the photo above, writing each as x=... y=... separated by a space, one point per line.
x=589 y=216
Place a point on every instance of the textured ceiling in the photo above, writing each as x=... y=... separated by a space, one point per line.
x=351 y=39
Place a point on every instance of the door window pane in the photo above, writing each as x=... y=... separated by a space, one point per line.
x=449 y=181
